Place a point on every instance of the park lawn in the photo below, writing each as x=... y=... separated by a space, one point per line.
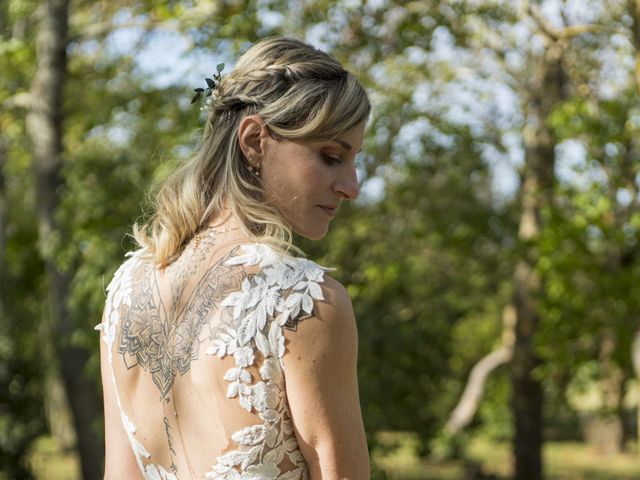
x=49 y=462
x=564 y=461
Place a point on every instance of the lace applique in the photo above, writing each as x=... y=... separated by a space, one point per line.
x=119 y=293
x=282 y=292
x=285 y=288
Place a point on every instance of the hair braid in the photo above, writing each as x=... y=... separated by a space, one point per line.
x=299 y=92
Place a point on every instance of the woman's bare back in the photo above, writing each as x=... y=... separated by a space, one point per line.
x=195 y=354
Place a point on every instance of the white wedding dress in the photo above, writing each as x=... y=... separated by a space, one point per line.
x=196 y=356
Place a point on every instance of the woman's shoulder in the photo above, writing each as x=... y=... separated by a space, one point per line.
x=277 y=283
x=131 y=259
x=276 y=265
x=328 y=338
x=334 y=311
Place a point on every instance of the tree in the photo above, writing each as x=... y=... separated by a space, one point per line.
x=44 y=122
x=442 y=270
x=21 y=373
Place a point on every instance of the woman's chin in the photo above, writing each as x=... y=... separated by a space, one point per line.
x=313 y=233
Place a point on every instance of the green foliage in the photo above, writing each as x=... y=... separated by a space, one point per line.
x=495 y=413
x=21 y=291
x=211 y=85
x=590 y=250
x=422 y=267
x=428 y=263
x=21 y=357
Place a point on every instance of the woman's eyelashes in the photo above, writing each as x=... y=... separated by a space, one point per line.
x=331 y=160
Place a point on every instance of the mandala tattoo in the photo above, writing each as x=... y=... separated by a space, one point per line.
x=186 y=265
x=166 y=345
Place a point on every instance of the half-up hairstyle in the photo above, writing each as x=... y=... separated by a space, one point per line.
x=300 y=93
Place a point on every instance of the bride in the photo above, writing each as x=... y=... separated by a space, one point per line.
x=225 y=353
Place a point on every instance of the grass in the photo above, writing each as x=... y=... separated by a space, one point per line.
x=575 y=461
x=563 y=461
x=49 y=462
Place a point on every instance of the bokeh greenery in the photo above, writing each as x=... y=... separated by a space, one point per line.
x=428 y=251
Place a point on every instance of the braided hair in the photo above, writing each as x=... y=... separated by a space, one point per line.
x=300 y=93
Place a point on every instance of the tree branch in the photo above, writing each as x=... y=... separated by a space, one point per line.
x=472 y=395
x=20 y=100
x=470 y=400
x=565 y=33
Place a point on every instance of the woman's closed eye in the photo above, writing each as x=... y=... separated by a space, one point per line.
x=330 y=159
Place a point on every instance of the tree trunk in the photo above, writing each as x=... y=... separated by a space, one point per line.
x=635 y=357
x=3 y=228
x=44 y=126
x=545 y=92
x=603 y=429
x=469 y=402
x=4 y=31
x=633 y=7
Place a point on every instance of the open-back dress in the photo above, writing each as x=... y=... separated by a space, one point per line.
x=195 y=352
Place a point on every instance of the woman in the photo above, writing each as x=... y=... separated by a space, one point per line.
x=203 y=323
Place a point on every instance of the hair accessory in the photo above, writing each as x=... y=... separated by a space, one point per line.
x=212 y=83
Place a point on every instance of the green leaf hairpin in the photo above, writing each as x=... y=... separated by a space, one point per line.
x=211 y=85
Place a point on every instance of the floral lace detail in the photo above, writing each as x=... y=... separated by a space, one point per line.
x=283 y=290
x=119 y=293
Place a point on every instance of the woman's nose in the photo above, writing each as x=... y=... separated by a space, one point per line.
x=347 y=184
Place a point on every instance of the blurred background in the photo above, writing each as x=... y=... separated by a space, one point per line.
x=492 y=256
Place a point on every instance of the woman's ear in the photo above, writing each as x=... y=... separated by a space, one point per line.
x=249 y=137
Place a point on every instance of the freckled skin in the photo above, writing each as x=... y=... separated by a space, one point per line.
x=299 y=178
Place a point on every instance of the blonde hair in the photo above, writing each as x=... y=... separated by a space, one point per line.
x=300 y=93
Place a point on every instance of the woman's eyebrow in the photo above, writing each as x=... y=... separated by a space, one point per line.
x=344 y=144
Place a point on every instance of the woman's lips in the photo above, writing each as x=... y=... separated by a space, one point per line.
x=329 y=210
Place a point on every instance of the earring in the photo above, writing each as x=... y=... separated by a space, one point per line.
x=255 y=170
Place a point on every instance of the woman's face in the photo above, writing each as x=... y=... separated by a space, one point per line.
x=307 y=180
